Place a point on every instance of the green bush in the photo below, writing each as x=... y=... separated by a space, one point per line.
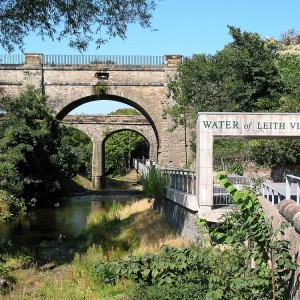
x=10 y=206
x=266 y=264
x=154 y=184
x=186 y=291
x=236 y=168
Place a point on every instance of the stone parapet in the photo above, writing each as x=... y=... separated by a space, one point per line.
x=33 y=58
x=287 y=210
x=290 y=210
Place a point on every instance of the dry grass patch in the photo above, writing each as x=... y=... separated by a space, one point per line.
x=152 y=230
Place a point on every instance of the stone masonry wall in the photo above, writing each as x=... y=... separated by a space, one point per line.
x=287 y=210
x=143 y=87
x=182 y=220
x=68 y=86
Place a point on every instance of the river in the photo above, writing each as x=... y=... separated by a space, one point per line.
x=40 y=224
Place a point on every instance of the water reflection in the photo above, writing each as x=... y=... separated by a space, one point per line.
x=49 y=223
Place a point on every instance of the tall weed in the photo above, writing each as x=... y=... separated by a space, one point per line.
x=154 y=184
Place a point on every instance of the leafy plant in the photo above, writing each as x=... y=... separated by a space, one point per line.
x=267 y=259
x=171 y=267
x=154 y=184
x=179 y=291
x=236 y=168
x=10 y=206
x=100 y=88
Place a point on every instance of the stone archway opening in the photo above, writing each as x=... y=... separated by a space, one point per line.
x=119 y=147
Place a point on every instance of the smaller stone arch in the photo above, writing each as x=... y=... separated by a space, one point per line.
x=99 y=128
x=111 y=133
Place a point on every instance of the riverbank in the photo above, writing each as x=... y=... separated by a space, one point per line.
x=65 y=268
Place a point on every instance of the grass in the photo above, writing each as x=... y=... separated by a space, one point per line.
x=125 y=230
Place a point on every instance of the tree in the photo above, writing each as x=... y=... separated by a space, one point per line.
x=249 y=74
x=119 y=151
x=80 y=145
x=194 y=88
x=33 y=161
x=289 y=63
x=241 y=77
x=125 y=112
x=80 y=20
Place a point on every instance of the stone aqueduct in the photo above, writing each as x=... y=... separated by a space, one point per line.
x=144 y=87
x=100 y=128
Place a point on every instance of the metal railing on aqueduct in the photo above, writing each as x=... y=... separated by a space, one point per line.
x=59 y=59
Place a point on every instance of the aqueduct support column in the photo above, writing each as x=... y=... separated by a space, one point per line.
x=153 y=150
x=97 y=164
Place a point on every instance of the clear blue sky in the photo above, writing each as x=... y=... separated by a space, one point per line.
x=189 y=27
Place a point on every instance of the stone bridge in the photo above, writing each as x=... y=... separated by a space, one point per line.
x=69 y=81
x=100 y=127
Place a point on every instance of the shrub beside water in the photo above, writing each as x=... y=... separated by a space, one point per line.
x=154 y=184
x=10 y=206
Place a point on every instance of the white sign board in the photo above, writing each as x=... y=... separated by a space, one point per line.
x=234 y=125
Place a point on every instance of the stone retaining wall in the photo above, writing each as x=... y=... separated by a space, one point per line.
x=182 y=220
x=287 y=210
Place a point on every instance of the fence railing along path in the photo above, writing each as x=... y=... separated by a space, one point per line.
x=182 y=180
x=185 y=181
x=276 y=192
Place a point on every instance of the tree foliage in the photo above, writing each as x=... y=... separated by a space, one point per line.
x=268 y=264
x=289 y=66
x=125 y=112
x=80 y=145
x=248 y=75
x=241 y=77
x=78 y=20
x=120 y=148
x=33 y=160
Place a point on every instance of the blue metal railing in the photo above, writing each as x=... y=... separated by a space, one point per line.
x=103 y=59
x=59 y=59
x=11 y=59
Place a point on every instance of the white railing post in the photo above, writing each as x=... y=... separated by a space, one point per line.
x=298 y=191
x=288 y=183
